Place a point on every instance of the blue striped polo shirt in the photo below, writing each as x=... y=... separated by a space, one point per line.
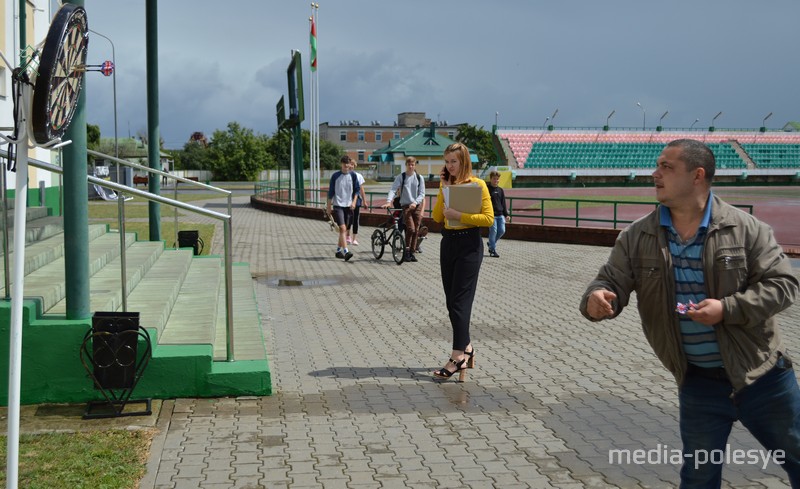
x=699 y=341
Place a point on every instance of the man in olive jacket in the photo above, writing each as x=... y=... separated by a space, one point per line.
x=709 y=280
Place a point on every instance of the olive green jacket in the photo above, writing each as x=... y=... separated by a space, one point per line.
x=744 y=267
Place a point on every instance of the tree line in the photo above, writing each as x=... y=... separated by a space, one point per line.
x=240 y=154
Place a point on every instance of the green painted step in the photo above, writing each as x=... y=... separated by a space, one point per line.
x=193 y=317
x=31 y=214
x=154 y=297
x=248 y=339
x=105 y=291
x=48 y=282
x=45 y=250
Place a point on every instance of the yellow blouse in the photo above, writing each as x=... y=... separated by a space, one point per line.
x=484 y=219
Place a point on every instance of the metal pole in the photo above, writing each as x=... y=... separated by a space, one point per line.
x=23 y=27
x=76 y=211
x=644 y=115
x=6 y=264
x=17 y=296
x=311 y=131
x=120 y=179
x=153 y=143
x=15 y=340
x=228 y=231
x=114 y=83
x=122 y=250
x=175 y=231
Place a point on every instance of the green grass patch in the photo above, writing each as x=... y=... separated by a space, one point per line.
x=138 y=208
x=96 y=459
x=142 y=230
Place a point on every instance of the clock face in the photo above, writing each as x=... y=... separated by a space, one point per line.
x=60 y=74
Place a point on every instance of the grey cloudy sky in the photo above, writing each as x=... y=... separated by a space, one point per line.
x=456 y=60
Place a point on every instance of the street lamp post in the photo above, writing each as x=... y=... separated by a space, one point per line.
x=120 y=197
x=496 y=114
x=711 y=128
x=114 y=84
x=644 y=115
x=693 y=123
x=661 y=119
x=764 y=122
x=544 y=124
x=608 y=119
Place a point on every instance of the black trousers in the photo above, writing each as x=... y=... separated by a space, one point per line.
x=354 y=220
x=460 y=258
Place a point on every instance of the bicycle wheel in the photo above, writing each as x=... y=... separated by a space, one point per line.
x=377 y=244
x=398 y=247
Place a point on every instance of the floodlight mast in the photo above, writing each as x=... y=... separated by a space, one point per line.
x=644 y=115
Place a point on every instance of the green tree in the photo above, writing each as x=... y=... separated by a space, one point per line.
x=92 y=136
x=330 y=155
x=106 y=146
x=478 y=140
x=279 y=147
x=237 y=154
x=193 y=156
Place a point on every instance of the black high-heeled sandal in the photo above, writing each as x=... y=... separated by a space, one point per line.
x=471 y=359
x=443 y=373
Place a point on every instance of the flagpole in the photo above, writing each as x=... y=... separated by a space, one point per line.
x=313 y=129
x=316 y=102
x=311 y=99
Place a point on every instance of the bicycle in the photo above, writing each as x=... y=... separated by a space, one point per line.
x=390 y=233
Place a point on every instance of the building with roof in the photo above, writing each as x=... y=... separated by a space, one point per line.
x=359 y=141
x=426 y=144
x=792 y=126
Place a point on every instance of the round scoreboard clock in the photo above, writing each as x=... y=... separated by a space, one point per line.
x=60 y=74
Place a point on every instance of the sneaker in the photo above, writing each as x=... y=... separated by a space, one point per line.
x=339 y=254
x=494 y=254
x=418 y=250
x=349 y=240
x=348 y=255
x=355 y=242
x=411 y=257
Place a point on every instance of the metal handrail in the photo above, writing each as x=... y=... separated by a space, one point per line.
x=225 y=218
x=164 y=174
x=285 y=195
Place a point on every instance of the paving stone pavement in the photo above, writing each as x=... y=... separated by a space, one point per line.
x=355 y=405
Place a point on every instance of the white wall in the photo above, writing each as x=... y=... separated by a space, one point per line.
x=9 y=45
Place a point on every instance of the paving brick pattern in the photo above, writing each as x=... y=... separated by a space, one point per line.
x=355 y=405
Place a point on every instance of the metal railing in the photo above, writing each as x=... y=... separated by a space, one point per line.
x=164 y=174
x=318 y=197
x=541 y=214
x=527 y=211
x=120 y=189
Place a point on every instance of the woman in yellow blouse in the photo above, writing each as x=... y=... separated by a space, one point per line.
x=460 y=256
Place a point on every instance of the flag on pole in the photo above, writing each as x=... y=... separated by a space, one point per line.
x=313 y=46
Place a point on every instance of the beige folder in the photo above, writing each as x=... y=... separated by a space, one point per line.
x=464 y=198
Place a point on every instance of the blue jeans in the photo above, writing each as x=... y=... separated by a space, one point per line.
x=497 y=231
x=768 y=408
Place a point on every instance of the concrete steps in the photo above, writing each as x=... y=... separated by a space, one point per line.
x=180 y=299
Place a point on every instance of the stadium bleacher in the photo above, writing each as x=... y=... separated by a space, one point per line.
x=620 y=150
x=771 y=155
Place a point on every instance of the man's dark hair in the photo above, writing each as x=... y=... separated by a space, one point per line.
x=696 y=155
x=345 y=159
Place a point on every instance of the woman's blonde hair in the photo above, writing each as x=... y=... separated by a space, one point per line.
x=465 y=167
